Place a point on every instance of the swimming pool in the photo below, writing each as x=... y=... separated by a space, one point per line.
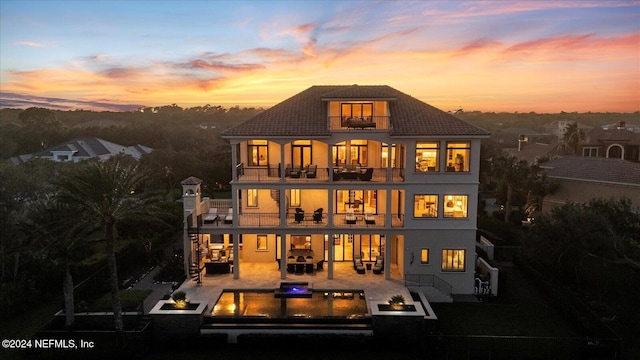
x=316 y=304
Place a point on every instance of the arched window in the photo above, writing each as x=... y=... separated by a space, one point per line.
x=615 y=151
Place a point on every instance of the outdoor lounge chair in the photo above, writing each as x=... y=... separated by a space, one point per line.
x=229 y=218
x=317 y=215
x=367 y=175
x=211 y=216
x=299 y=215
x=312 y=171
x=295 y=172
x=379 y=265
x=350 y=218
x=357 y=264
x=369 y=219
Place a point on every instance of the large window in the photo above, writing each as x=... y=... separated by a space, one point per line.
x=427 y=156
x=301 y=153
x=357 y=110
x=252 y=197
x=295 y=197
x=425 y=206
x=359 y=152
x=455 y=206
x=453 y=260
x=590 y=151
x=257 y=153
x=458 y=156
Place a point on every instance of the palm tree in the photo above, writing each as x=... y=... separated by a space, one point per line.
x=103 y=195
x=539 y=186
x=573 y=137
x=511 y=173
x=55 y=223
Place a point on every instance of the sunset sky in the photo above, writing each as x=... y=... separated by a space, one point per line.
x=542 y=56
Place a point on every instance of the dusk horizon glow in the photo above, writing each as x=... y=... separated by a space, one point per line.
x=500 y=56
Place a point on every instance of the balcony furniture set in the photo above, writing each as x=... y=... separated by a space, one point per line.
x=296 y=172
x=358 y=123
x=317 y=216
x=212 y=216
x=300 y=261
x=352 y=172
x=351 y=218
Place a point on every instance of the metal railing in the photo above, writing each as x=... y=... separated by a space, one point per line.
x=428 y=280
x=366 y=123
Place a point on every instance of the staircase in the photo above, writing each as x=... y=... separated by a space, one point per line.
x=194 y=268
x=275 y=195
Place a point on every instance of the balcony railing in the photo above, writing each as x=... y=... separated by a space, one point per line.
x=364 y=123
x=321 y=175
x=427 y=280
x=259 y=219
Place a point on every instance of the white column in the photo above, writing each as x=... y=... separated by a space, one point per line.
x=234 y=162
x=283 y=256
x=282 y=162
x=236 y=253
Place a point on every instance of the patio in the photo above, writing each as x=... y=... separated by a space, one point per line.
x=267 y=276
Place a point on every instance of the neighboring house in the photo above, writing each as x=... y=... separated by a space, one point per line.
x=342 y=173
x=617 y=142
x=559 y=127
x=584 y=178
x=84 y=148
x=533 y=147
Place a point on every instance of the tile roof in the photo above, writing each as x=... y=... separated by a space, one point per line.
x=594 y=169
x=600 y=136
x=305 y=114
x=85 y=148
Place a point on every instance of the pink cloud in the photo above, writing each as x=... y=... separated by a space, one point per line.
x=30 y=43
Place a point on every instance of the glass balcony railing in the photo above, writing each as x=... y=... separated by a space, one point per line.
x=365 y=123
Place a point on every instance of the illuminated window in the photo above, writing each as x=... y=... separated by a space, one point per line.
x=356 y=110
x=455 y=206
x=427 y=156
x=252 y=197
x=425 y=206
x=301 y=153
x=295 y=197
x=458 y=156
x=257 y=153
x=261 y=243
x=453 y=260
x=424 y=256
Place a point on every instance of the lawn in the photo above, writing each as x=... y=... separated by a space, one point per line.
x=520 y=310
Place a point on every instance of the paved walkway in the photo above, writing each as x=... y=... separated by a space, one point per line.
x=267 y=276
x=158 y=290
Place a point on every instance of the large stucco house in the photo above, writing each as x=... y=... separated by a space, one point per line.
x=362 y=174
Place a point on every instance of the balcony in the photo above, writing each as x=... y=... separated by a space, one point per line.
x=272 y=174
x=366 y=123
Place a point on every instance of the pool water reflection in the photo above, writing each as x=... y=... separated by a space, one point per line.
x=262 y=303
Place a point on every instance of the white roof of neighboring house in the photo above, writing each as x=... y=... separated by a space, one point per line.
x=86 y=148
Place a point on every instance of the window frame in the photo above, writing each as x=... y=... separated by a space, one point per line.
x=252 y=198
x=454 y=265
x=258 y=145
x=417 y=204
x=262 y=245
x=422 y=161
x=422 y=256
x=453 y=199
x=460 y=163
x=295 y=197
